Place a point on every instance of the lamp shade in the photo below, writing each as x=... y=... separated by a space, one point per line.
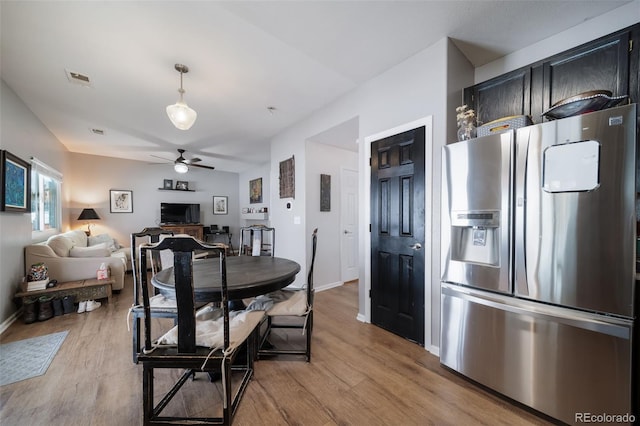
x=88 y=214
x=181 y=115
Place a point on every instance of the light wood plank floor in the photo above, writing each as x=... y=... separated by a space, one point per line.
x=359 y=375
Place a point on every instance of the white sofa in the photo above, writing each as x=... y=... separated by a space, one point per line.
x=73 y=256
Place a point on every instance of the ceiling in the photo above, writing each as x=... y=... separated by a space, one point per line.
x=244 y=56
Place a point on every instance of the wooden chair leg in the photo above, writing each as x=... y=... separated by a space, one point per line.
x=136 y=338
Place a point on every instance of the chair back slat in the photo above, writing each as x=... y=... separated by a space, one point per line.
x=258 y=236
x=182 y=249
x=310 y=291
x=153 y=235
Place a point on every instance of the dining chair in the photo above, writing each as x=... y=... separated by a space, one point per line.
x=257 y=240
x=208 y=345
x=160 y=306
x=291 y=309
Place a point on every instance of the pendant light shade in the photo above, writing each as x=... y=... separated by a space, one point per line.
x=179 y=113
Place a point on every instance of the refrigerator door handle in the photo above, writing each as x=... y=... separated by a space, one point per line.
x=520 y=273
x=612 y=326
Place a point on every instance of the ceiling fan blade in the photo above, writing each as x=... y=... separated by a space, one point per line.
x=162 y=158
x=202 y=166
x=193 y=160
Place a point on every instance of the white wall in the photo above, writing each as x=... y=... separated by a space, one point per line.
x=262 y=171
x=328 y=160
x=22 y=134
x=91 y=178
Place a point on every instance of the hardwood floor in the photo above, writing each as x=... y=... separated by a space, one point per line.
x=359 y=375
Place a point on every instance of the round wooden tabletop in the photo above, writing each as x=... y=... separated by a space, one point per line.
x=247 y=276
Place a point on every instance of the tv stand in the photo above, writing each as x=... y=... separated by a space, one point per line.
x=193 y=229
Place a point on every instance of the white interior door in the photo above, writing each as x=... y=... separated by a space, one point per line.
x=349 y=224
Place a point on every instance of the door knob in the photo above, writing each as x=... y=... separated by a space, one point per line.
x=416 y=246
x=346 y=232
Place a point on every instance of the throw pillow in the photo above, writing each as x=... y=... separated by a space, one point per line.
x=104 y=238
x=60 y=245
x=98 y=250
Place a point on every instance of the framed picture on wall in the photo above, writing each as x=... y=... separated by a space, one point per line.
x=121 y=201
x=15 y=183
x=255 y=191
x=220 y=204
x=168 y=184
x=325 y=193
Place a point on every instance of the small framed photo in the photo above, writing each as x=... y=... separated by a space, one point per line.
x=168 y=184
x=15 y=184
x=182 y=185
x=220 y=204
x=121 y=201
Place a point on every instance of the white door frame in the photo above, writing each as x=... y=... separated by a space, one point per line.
x=365 y=234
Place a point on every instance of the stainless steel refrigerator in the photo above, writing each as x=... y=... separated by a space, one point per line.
x=539 y=298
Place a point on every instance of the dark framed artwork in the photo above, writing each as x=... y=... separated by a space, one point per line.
x=325 y=193
x=182 y=185
x=288 y=178
x=220 y=204
x=121 y=201
x=168 y=184
x=255 y=191
x=16 y=184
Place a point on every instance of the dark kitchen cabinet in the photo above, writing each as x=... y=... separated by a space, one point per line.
x=608 y=63
x=600 y=65
x=508 y=94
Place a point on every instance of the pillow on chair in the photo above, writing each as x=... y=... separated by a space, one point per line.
x=294 y=304
x=210 y=333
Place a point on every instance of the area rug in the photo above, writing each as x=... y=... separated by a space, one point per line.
x=28 y=358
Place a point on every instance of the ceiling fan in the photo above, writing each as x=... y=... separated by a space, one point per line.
x=181 y=164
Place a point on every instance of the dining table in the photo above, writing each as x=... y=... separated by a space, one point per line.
x=247 y=276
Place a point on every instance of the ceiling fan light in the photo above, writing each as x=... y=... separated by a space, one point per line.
x=181 y=115
x=180 y=167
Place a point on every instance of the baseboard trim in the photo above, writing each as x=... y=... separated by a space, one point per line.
x=324 y=287
x=6 y=323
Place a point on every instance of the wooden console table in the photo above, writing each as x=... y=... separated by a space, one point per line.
x=193 y=230
x=82 y=289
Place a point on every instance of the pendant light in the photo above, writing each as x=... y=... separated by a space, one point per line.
x=179 y=113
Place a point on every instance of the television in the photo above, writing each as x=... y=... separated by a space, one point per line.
x=179 y=213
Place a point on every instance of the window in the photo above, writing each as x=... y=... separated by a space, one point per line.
x=46 y=197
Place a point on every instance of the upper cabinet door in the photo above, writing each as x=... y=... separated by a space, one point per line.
x=503 y=96
x=608 y=63
x=600 y=65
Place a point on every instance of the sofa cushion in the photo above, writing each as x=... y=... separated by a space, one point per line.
x=98 y=250
x=78 y=237
x=60 y=245
x=103 y=238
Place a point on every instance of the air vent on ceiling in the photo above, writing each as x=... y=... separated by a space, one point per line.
x=98 y=131
x=77 y=78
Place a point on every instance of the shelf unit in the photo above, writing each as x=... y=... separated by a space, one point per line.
x=177 y=190
x=255 y=216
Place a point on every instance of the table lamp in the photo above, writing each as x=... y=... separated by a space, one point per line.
x=87 y=215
